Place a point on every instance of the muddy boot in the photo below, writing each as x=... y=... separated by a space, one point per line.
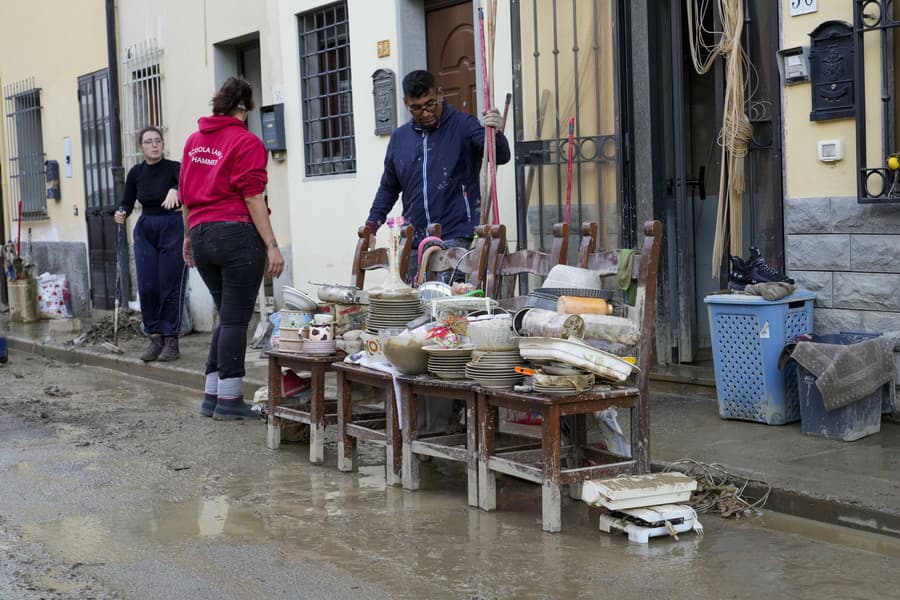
x=154 y=348
x=170 y=350
x=231 y=409
x=209 y=405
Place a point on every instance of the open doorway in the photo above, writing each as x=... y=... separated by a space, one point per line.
x=240 y=57
x=691 y=162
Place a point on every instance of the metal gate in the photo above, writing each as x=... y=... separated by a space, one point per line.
x=568 y=61
x=99 y=188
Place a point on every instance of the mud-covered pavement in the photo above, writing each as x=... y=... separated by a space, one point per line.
x=113 y=487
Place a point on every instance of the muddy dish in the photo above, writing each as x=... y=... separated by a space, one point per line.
x=406 y=354
x=492 y=333
x=577 y=354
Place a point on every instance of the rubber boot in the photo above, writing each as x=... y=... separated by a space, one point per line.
x=154 y=348
x=231 y=409
x=170 y=350
x=209 y=405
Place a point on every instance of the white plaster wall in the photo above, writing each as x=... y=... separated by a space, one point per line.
x=326 y=211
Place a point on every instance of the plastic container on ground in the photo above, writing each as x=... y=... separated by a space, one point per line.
x=748 y=334
x=848 y=423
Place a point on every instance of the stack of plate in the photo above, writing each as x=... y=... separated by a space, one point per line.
x=318 y=347
x=392 y=313
x=495 y=369
x=560 y=379
x=448 y=363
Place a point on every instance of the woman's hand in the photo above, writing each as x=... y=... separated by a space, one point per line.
x=171 y=202
x=276 y=262
x=119 y=216
x=188 y=253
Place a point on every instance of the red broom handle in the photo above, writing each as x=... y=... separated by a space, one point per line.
x=489 y=131
x=569 y=169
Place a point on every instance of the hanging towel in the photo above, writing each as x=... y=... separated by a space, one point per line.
x=623 y=278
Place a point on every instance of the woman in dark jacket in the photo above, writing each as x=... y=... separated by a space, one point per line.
x=158 y=234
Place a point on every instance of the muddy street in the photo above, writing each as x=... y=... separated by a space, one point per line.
x=113 y=487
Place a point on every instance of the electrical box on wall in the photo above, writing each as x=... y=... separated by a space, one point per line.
x=793 y=65
x=831 y=151
x=52 y=169
x=272 y=117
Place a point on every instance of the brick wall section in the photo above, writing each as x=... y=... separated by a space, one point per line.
x=849 y=255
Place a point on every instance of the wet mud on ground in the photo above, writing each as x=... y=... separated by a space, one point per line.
x=113 y=487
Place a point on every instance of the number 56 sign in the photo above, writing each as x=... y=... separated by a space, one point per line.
x=802 y=7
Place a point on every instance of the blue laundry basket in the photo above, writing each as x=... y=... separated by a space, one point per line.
x=748 y=334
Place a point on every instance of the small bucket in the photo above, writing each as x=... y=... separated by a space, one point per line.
x=23 y=301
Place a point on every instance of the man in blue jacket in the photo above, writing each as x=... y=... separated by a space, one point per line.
x=434 y=160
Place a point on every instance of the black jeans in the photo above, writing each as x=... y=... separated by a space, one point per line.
x=231 y=259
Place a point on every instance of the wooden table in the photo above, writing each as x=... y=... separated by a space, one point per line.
x=459 y=447
x=544 y=465
x=382 y=428
x=318 y=415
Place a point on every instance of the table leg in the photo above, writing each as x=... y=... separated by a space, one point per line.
x=393 y=444
x=487 y=431
x=317 y=415
x=410 y=469
x=551 y=501
x=472 y=449
x=346 y=444
x=273 y=423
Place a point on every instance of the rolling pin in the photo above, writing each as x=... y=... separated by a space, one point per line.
x=589 y=306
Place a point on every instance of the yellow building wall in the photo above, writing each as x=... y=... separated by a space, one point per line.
x=55 y=43
x=805 y=175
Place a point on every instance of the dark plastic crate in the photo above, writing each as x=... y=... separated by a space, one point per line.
x=848 y=423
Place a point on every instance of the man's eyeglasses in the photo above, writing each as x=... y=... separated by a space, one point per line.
x=153 y=142
x=418 y=109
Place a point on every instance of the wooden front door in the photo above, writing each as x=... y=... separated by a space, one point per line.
x=451 y=52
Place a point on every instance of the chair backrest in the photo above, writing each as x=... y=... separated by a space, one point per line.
x=505 y=268
x=368 y=258
x=471 y=263
x=590 y=233
x=644 y=272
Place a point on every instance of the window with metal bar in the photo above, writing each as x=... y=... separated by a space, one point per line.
x=142 y=96
x=25 y=149
x=878 y=177
x=327 y=99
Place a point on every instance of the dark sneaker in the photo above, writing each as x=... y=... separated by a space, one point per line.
x=233 y=409
x=739 y=275
x=170 y=350
x=209 y=405
x=761 y=272
x=154 y=348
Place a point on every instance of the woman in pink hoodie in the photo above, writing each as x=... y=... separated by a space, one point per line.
x=228 y=236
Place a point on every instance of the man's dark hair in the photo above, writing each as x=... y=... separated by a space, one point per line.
x=418 y=83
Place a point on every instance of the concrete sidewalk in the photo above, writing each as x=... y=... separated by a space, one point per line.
x=855 y=484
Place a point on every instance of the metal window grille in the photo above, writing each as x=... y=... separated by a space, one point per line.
x=25 y=149
x=327 y=98
x=141 y=94
x=876 y=184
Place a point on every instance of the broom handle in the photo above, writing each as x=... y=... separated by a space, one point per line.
x=489 y=131
x=569 y=169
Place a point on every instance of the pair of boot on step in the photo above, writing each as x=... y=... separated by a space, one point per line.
x=163 y=349
x=223 y=399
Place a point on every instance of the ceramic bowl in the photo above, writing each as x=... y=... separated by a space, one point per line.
x=406 y=354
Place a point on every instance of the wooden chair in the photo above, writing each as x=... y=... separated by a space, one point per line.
x=590 y=233
x=583 y=462
x=322 y=413
x=367 y=258
x=471 y=263
x=505 y=268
